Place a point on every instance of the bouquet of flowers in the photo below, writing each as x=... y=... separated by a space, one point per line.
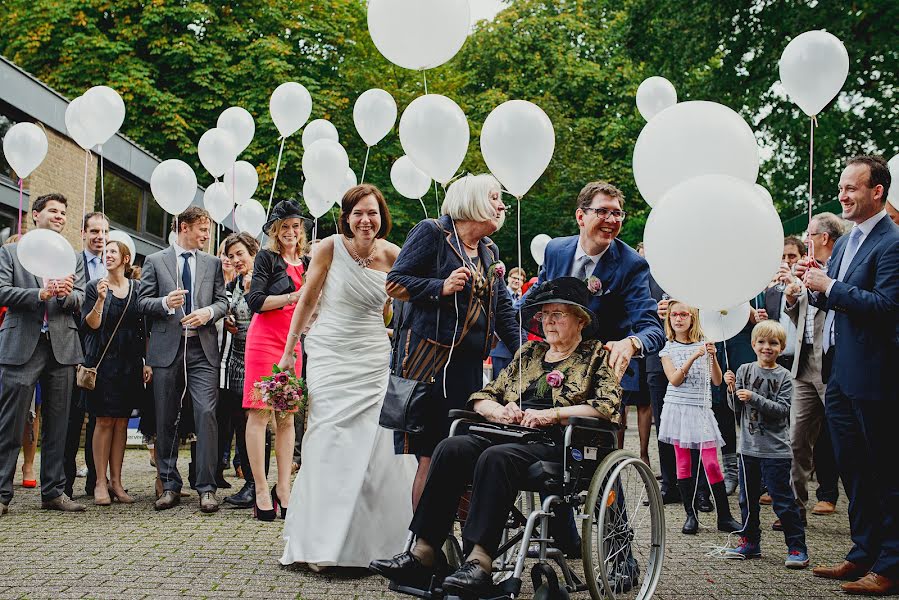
x=283 y=391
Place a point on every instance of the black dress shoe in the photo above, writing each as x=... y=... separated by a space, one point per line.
x=471 y=578
x=222 y=483
x=244 y=498
x=406 y=569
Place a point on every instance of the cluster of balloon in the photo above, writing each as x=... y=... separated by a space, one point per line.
x=813 y=69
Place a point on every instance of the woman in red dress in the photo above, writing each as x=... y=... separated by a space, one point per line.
x=277 y=278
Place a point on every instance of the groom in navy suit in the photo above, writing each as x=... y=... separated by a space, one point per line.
x=628 y=322
x=860 y=292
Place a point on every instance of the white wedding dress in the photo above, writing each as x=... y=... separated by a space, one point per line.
x=352 y=499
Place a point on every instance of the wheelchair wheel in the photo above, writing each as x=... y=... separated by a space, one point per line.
x=623 y=541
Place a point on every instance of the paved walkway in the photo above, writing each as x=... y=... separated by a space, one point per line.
x=133 y=552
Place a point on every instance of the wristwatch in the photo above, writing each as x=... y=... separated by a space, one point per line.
x=635 y=342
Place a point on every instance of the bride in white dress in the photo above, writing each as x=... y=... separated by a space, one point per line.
x=351 y=501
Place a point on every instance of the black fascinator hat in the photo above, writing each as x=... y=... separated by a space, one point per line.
x=564 y=290
x=286 y=209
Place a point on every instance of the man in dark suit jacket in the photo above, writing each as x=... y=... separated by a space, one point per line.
x=94 y=234
x=38 y=342
x=775 y=301
x=860 y=292
x=183 y=290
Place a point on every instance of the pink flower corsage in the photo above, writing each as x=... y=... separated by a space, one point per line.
x=497 y=270
x=555 y=378
x=594 y=285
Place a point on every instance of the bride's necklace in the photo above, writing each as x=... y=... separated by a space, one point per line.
x=363 y=262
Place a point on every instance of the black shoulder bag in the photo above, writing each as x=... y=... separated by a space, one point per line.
x=407 y=401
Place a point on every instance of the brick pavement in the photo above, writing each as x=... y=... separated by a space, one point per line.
x=126 y=552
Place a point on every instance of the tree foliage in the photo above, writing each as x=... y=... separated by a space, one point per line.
x=178 y=64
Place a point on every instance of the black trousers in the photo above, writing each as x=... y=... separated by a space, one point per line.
x=496 y=472
x=73 y=442
x=658 y=384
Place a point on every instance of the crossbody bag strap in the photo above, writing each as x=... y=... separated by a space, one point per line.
x=114 y=331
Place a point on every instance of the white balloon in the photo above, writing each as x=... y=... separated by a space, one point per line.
x=319 y=129
x=374 y=115
x=654 y=95
x=218 y=202
x=217 y=151
x=349 y=182
x=239 y=123
x=25 y=147
x=173 y=238
x=721 y=325
x=241 y=181
x=813 y=69
x=538 y=247
x=250 y=217
x=418 y=34
x=315 y=200
x=326 y=163
x=74 y=126
x=763 y=191
x=409 y=180
x=893 y=196
x=46 y=254
x=174 y=185
x=290 y=107
x=116 y=235
x=434 y=134
x=689 y=139
x=686 y=231
x=102 y=112
x=517 y=141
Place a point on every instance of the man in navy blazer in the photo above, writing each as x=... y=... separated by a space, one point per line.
x=860 y=292
x=628 y=322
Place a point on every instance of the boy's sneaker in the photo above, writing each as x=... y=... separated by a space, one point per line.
x=746 y=549
x=796 y=559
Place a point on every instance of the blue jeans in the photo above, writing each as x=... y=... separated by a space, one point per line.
x=775 y=474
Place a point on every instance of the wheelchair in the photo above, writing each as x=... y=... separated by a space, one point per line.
x=612 y=492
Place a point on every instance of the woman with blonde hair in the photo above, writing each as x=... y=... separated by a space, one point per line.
x=113 y=332
x=277 y=277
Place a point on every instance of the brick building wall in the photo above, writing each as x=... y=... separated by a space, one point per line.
x=63 y=172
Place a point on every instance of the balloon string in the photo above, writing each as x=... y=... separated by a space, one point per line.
x=275 y=180
x=424 y=75
x=84 y=197
x=520 y=340
x=20 y=205
x=436 y=197
x=811 y=163
x=365 y=164
x=423 y=207
x=102 y=197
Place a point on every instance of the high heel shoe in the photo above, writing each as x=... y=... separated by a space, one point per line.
x=101 y=500
x=276 y=502
x=263 y=514
x=122 y=498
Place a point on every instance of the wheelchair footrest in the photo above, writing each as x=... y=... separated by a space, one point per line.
x=411 y=591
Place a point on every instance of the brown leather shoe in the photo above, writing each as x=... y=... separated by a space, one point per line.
x=169 y=499
x=208 y=502
x=4 y=508
x=824 y=508
x=846 y=571
x=62 y=503
x=872 y=584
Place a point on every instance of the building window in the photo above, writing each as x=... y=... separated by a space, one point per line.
x=5 y=170
x=130 y=205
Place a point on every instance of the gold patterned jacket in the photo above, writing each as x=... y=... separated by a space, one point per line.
x=588 y=379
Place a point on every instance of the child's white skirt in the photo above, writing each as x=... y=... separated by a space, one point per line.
x=689 y=426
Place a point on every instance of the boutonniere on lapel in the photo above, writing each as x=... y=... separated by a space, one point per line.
x=496 y=270
x=552 y=380
x=594 y=285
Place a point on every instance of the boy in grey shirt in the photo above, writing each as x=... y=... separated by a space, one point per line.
x=760 y=395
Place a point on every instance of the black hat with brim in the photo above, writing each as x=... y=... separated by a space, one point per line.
x=564 y=290
x=286 y=209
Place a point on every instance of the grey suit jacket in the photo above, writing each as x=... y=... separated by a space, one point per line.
x=158 y=278
x=811 y=365
x=20 y=293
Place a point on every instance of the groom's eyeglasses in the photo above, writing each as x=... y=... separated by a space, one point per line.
x=605 y=213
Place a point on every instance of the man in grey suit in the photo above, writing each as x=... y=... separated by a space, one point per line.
x=183 y=291
x=38 y=342
x=809 y=435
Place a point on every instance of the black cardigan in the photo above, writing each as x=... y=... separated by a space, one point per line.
x=270 y=278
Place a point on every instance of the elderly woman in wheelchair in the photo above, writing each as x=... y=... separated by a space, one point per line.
x=560 y=380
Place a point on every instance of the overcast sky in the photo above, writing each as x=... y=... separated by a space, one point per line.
x=484 y=9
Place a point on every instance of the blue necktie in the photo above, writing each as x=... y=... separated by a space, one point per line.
x=94 y=262
x=848 y=255
x=186 y=282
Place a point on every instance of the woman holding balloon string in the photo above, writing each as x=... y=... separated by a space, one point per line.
x=275 y=289
x=451 y=281
x=351 y=499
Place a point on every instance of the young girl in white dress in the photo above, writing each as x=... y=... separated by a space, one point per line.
x=688 y=422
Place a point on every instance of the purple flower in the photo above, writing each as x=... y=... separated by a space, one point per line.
x=555 y=378
x=281 y=377
x=594 y=285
